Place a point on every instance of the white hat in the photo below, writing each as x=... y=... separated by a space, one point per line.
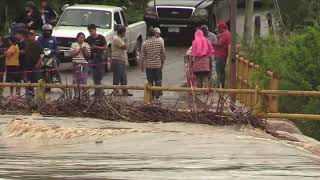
x=157 y=30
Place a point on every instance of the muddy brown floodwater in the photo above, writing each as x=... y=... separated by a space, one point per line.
x=153 y=151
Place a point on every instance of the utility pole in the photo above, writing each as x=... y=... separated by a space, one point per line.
x=247 y=33
x=233 y=62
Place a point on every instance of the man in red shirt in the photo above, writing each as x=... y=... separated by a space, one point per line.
x=221 y=51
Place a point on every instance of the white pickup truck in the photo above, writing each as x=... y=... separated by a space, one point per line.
x=75 y=19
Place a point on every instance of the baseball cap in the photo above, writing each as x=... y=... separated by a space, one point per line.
x=157 y=30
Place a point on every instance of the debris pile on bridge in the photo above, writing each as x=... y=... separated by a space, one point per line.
x=118 y=108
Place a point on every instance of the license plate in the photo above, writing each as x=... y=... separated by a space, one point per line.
x=173 y=29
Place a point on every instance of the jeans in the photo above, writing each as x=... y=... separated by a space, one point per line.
x=119 y=72
x=32 y=77
x=1 y=80
x=221 y=70
x=154 y=78
x=98 y=72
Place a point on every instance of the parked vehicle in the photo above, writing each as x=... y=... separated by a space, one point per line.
x=76 y=18
x=49 y=66
x=182 y=16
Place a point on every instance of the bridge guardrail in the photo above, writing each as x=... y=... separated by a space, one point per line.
x=259 y=106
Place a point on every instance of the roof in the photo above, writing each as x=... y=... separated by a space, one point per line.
x=94 y=7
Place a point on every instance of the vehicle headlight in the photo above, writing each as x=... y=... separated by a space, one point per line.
x=150 y=11
x=200 y=12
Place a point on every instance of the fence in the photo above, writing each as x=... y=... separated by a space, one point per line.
x=245 y=80
x=258 y=104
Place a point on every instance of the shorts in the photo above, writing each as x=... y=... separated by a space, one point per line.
x=13 y=74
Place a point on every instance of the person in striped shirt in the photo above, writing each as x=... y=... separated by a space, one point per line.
x=152 y=59
x=80 y=53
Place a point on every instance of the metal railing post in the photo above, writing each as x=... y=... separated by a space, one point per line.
x=41 y=91
x=147 y=93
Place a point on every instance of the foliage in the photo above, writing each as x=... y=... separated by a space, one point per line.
x=296 y=58
x=297 y=13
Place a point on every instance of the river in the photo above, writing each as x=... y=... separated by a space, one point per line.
x=155 y=151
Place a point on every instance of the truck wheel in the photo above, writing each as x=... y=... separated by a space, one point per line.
x=134 y=56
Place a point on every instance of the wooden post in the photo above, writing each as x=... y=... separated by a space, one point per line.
x=274 y=100
x=147 y=94
x=246 y=80
x=41 y=92
x=233 y=62
x=247 y=33
x=257 y=108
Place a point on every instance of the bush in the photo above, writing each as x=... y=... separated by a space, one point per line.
x=296 y=58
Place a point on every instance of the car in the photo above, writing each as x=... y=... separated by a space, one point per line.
x=76 y=18
x=181 y=16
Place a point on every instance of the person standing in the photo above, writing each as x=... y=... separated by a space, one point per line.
x=119 y=57
x=13 y=70
x=50 y=42
x=80 y=53
x=98 y=45
x=2 y=61
x=202 y=51
x=221 y=51
x=31 y=18
x=152 y=59
x=48 y=15
x=33 y=58
x=158 y=34
x=211 y=36
x=21 y=42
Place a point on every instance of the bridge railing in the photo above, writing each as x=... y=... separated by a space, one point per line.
x=257 y=95
x=245 y=80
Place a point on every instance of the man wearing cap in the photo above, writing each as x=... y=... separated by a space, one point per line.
x=221 y=51
x=157 y=32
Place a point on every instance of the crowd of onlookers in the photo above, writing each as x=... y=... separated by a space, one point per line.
x=21 y=54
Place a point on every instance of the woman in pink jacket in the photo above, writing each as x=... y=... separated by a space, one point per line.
x=202 y=51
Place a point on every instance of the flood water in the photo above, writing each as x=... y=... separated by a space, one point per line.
x=158 y=151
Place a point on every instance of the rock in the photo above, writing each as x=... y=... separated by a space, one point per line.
x=283 y=125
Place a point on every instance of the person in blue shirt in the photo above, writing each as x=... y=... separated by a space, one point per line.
x=50 y=42
x=47 y=40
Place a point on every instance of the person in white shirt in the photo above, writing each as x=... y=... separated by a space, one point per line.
x=80 y=53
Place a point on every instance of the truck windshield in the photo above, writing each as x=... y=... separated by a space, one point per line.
x=83 y=17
